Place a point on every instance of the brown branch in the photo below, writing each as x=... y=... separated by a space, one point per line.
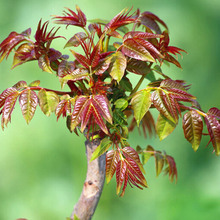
x=93 y=185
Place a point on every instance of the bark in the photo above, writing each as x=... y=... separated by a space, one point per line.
x=93 y=185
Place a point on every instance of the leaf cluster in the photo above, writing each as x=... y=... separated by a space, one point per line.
x=101 y=100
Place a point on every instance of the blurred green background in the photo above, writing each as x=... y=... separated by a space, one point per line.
x=43 y=166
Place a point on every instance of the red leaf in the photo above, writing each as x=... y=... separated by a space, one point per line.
x=71 y=18
x=120 y=174
x=171 y=167
x=213 y=127
x=95 y=55
x=10 y=43
x=63 y=108
x=119 y=20
x=81 y=59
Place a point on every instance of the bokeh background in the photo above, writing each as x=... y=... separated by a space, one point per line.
x=43 y=166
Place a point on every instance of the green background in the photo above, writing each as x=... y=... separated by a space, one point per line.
x=43 y=166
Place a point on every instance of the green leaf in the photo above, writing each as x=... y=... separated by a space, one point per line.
x=101 y=149
x=126 y=84
x=164 y=127
x=192 y=127
x=34 y=83
x=119 y=117
x=159 y=160
x=119 y=63
x=48 y=101
x=141 y=103
x=28 y=101
x=121 y=103
x=145 y=157
x=76 y=39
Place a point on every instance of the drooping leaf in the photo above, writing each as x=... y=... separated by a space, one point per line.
x=159 y=161
x=132 y=153
x=192 y=127
x=28 y=101
x=119 y=63
x=158 y=101
x=102 y=148
x=141 y=103
x=8 y=108
x=64 y=107
x=138 y=67
x=48 y=101
x=44 y=63
x=171 y=169
x=120 y=174
x=133 y=49
x=112 y=159
x=213 y=127
x=125 y=84
x=164 y=127
x=76 y=116
x=214 y=111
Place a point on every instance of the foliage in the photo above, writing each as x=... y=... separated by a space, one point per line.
x=101 y=101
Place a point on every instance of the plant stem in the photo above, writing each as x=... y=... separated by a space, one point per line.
x=139 y=83
x=93 y=185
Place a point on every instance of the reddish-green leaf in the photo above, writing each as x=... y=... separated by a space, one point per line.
x=159 y=162
x=64 y=107
x=132 y=153
x=164 y=127
x=102 y=105
x=81 y=59
x=157 y=98
x=76 y=40
x=133 y=49
x=192 y=127
x=75 y=75
x=171 y=169
x=213 y=126
x=48 y=101
x=138 y=67
x=76 y=116
x=112 y=159
x=102 y=148
x=24 y=53
x=28 y=101
x=120 y=174
x=141 y=103
x=8 y=108
x=119 y=63
x=5 y=94
x=44 y=63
